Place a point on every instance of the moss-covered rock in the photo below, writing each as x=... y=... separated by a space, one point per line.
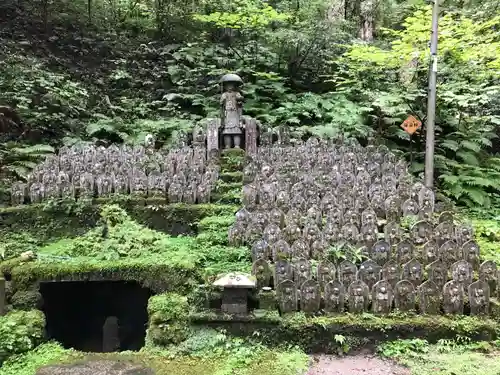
x=27 y=300
x=169 y=316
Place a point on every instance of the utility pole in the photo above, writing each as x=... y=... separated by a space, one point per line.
x=431 y=101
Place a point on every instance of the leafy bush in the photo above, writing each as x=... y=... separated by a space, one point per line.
x=14 y=244
x=487 y=235
x=169 y=306
x=27 y=363
x=20 y=331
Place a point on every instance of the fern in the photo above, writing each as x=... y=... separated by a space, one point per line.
x=18 y=160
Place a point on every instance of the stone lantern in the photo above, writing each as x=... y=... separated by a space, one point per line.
x=235 y=292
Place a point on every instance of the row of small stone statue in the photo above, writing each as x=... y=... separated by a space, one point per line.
x=449 y=252
x=383 y=298
x=338 y=204
x=314 y=148
x=116 y=158
x=274 y=225
x=390 y=197
x=347 y=170
x=335 y=161
x=186 y=176
x=272 y=234
x=371 y=272
x=293 y=280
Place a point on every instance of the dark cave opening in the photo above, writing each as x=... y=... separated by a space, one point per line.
x=76 y=313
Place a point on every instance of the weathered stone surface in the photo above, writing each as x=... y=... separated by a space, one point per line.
x=98 y=367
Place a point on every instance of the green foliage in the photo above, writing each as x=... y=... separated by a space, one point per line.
x=123 y=238
x=487 y=235
x=358 y=330
x=153 y=67
x=457 y=356
x=120 y=248
x=28 y=362
x=467 y=118
x=14 y=244
x=245 y=14
x=170 y=306
x=168 y=319
x=49 y=99
x=230 y=361
x=337 y=254
x=241 y=356
x=410 y=348
x=56 y=219
x=19 y=159
x=20 y=331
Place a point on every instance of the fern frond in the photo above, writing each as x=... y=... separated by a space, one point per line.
x=476 y=195
x=468 y=157
x=36 y=150
x=470 y=146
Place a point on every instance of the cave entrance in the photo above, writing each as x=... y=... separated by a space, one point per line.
x=96 y=316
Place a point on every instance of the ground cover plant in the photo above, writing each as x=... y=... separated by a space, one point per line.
x=212 y=355
x=446 y=357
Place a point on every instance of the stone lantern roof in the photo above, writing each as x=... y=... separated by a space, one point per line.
x=236 y=280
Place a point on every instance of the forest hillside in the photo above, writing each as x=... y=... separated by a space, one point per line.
x=116 y=70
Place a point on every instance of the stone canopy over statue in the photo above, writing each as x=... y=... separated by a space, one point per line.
x=232 y=129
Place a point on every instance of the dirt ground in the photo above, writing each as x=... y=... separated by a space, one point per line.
x=354 y=365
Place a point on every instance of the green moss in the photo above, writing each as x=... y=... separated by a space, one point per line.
x=227 y=193
x=216 y=223
x=453 y=362
x=29 y=362
x=317 y=333
x=121 y=249
x=68 y=219
x=232 y=160
x=212 y=316
x=224 y=187
x=148 y=272
x=169 y=306
x=27 y=300
x=169 y=315
x=242 y=360
x=6 y=266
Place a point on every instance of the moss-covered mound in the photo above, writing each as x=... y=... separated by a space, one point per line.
x=122 y=249
x=321 y=334
x=47 y=222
